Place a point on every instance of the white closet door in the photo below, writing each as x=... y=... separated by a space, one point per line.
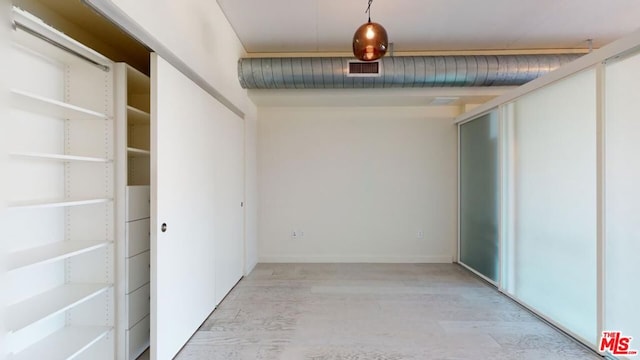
x=187 y=128
x=229 y=189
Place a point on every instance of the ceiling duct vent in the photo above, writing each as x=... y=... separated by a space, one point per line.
x=396 y=71
x=364 y=68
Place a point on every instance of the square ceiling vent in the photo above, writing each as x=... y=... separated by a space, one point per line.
x=364 y=68
x=444 y=100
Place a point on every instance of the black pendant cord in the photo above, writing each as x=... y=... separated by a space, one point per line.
x=369 y=10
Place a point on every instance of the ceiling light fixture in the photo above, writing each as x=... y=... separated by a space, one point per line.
x=370 y=41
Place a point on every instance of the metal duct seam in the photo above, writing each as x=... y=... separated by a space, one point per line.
x=398 y=71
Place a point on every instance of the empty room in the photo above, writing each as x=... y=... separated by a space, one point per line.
x=320 y=179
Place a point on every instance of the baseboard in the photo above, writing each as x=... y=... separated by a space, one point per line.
x=249 y=267
x=437 y=259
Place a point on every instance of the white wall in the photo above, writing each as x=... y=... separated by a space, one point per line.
x=359 y=182
x=199 y=34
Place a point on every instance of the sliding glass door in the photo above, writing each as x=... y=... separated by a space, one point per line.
x=552 y=187
x=545 y=189
x=552 y=241
x=479 y=195
x=622 y=206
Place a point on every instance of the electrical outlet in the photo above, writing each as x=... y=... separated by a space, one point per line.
x=297 y=234
x=420 y=234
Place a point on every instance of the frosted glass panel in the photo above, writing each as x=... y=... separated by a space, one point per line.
x=479 y=195
x=553 y=245
x=622 y=187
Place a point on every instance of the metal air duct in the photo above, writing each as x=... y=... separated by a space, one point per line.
x=397 y=72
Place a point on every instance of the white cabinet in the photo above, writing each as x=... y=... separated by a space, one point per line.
x=137 y=337
x=137 y=270
x=137 y=202
x=133 y=123
x=137 y=237
x=59 y=224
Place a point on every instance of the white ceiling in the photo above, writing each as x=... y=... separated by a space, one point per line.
x=266 y=26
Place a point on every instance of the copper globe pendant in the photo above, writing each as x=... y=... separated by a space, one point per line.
x=370 y=41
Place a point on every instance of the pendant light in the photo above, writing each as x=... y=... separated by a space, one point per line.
x=370 y=41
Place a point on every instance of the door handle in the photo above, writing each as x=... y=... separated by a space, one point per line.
x=163 y=228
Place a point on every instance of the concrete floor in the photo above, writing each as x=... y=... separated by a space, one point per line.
x=373 y=311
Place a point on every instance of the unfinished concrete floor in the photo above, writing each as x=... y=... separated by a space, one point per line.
x=373 y=311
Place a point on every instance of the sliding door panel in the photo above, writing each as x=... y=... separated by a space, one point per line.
x=622 y=189
x=228 y=157
x=196 y=220
x=479 y=195
x=553 y=245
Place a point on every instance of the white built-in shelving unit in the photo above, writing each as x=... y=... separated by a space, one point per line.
x=59 y=226
x=134 y=121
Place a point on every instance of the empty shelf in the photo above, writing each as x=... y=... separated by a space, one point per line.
x=61 y=203
x=52 y=252
x=50 y=303
x=136 y=116
x=137 y=82
x=64 y=344
x=135 y=152
x=51 y=107
x=59 y=157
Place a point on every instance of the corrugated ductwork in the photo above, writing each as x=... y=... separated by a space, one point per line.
x=399 y=71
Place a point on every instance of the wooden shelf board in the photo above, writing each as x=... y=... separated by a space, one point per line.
x=59 y=157
x=135 y=152
x=52 y=252
x=137 y=82
x=60 y=203
x=39 y=104
x=65 y=344
x=136 y=116
x=50 y=303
